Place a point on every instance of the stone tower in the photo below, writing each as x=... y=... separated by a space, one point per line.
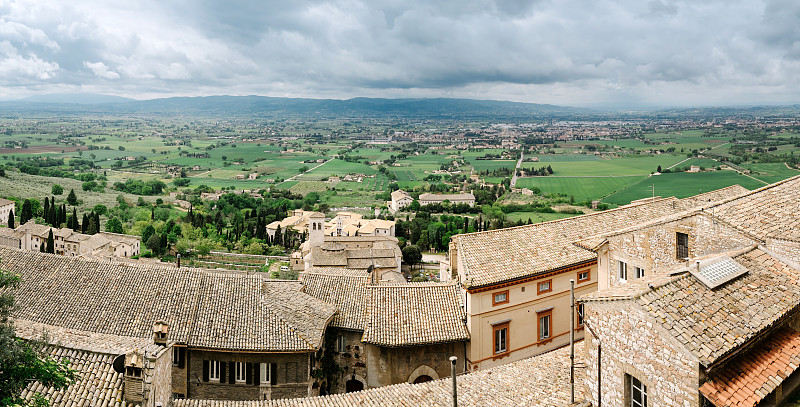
x=316 y=229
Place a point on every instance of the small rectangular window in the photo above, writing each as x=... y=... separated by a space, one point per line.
x=341 y=344
x=583 y=276
x=500 y=297
x=639 y=272
x=500 y=333
x=638 y=393
x=545 y=326
x=264 y=376
x=580 y=314
x=622 y=271
x=241 y=375
x=682 y=245
x=544 y=287
x=213 y=370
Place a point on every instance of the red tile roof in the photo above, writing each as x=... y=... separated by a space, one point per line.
x=750 y=378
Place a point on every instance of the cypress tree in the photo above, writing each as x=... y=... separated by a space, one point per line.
x=74 y=221
x=85 y=223
x=46 y=212
x=11 y=219
x=72 y=199
x=51 y=246
x=27 y=212
x=41 y=248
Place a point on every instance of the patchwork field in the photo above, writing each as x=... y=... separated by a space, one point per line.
x=682 y=185
x=582 y=188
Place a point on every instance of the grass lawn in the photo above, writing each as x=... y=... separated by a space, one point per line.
x=771 y=172
x=583 y=188
x=682 y=185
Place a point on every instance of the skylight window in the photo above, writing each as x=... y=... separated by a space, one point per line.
x=718 y=272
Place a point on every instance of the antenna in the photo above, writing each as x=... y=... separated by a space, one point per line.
x=653 y=190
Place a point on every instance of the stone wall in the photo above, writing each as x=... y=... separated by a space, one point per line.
x=634 y=344
x=396 y=365
x=180 y=376
x=353 y=361
x=788 y=249
x=292 y=370
x=654 y=248
x=159 y=378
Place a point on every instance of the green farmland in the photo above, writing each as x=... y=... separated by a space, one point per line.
x=582 y=188
x=682 y=185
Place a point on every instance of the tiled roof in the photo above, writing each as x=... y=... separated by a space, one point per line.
x=344 y=288
x=4 y=202
x=400 y=194
x=414 y=314
x=745 y=381
x=713 y=196
x=97 y=383
x=712 y=323
x=204 y=309
x=538 y=381
x=768 y=212
x=496 y=256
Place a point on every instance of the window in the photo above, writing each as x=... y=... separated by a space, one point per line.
x=622 y=271
x=500 y=297
x=682 y=245
x=341 y=344
x=213 y=370
x=579 y=310
x=241 y=374
x=545 y=319
x=583 y=276
x=639 y=272
x=178 y=356
x=264 y=376
x=544 y=287
x=638 y=393
x=500 y=333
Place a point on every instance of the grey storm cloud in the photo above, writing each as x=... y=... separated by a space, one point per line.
x=547 y=51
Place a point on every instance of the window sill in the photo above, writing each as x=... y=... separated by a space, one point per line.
x=501 y=355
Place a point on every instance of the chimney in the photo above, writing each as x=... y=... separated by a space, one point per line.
x=160 y=330
x=179 y=260
x=697 y=265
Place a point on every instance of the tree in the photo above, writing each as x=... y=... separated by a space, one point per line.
x=153 y=243
x=412 y=255
x=27 y=212
x=148 y=231
x=114 y=226
x=51 y=245
x=658 y=169
x=72 y=199
x=22 y=361
x=11 y=219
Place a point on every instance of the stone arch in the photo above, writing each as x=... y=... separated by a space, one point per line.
x=349 y=377
x=423 y=370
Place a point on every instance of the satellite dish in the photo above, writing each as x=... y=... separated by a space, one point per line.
x=119 y=364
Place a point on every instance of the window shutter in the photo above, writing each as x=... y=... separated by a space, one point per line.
x=205 y=370
x=222 y=372
x=273 y=374
x=248 y=373
x=181 y=358
x=232 y=377
x=256 y=373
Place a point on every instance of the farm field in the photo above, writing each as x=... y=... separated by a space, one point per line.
x=536 y=217
x=582 y=188
x=614 y=166
x=682 y=185
x=771 y=172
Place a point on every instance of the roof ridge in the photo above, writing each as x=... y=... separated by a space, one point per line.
x=755 y=191
x=549 y=222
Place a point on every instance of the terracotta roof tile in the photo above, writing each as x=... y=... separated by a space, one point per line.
x=746 y=380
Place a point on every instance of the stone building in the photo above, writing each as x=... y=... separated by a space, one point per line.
x=516 y=280
x=389 y=333
x=7 y=207
x=400 y=199
x=722 y=331
x=354 y=224
x=231 y=336
x=32 y=236
x=466 y=198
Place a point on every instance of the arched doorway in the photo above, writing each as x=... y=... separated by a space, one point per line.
x=353 y=385
x=422 y=379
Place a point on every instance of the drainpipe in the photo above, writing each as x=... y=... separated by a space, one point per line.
x=572 y=342
x=453 y=373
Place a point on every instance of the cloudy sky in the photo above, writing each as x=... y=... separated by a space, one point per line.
x=570 y=52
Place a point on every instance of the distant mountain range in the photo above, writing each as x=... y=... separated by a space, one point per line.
x=262 y=106
x=420 y=108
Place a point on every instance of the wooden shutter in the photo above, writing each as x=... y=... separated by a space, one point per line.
x=273 y=373
x=181 y=358
x=232 y=377
x=222 y=372
x=257 y=373
x=248 y=373
x=205 y=370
